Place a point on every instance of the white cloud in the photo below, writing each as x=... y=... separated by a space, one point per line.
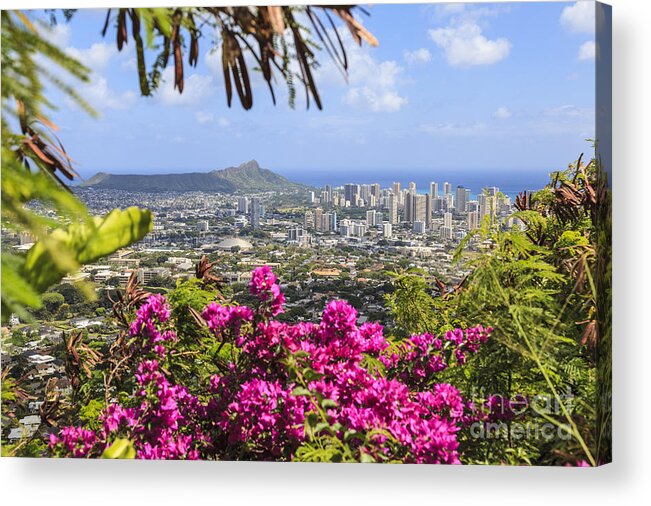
x=373 y=85
x=457 y=129
x=58 y=35
x=421 y=55
x=197 y=87
x=587 y=50
x=450 y=8
x=569 y=111
x=96 y=56
x=100 y=96
x=375 y=100
x=129 y=64
x=464 y=45
x=502 y=113
x=204 y=117
x=579 y=18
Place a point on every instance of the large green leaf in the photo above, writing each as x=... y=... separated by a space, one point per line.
x=83 y=243
x=120 y=449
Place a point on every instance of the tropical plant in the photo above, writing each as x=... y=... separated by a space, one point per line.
x=330 y=391
x=535 y=286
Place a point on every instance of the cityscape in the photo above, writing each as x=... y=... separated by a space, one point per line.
x=336 y=241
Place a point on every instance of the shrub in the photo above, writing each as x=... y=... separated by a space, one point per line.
x=331 y=391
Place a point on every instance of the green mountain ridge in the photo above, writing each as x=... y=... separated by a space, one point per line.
x=247 y=177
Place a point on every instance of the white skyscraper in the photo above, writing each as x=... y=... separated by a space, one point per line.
x=370 y=218
x=393 y=209
x=473 y=220
x=243 y=205
x=447 y=220
x=433 y=190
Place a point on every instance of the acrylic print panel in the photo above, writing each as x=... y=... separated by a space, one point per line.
x=336 y=234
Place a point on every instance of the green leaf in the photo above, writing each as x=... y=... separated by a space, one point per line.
x=300 y=391
x=120 y=449
x=86 y=243
x=365 y=458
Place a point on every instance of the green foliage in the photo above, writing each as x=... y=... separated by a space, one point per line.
x=535 y=288
x=90 y=414
x=120 y=449
x=52 y=302
x=414 y=308
x=32 y=162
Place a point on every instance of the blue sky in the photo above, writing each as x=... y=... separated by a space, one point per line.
x=474 y=86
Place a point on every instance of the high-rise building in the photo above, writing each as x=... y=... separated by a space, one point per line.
x=486 y=207
x=434 y=190
x=325 y=197
x=460 y=204
x=328 y=222
x=318 y=219
x=447 y=188
x=473 y=220
x=299 y=236
x=202 y=226
x=396 y=188
x=402 y=198
x=365 y=193
x=346 y=228
x=351 y=193
x=420 y=208
x=409 y=207
x=428 y=210
x=419 y=227
x=243 y=205
x=386 y=230
x=412 y=187
x=256 y=212
x=375 y=190
x=437 y=204
x=446 y=232
x=449 y=201
x=370 y=218
x=333 y=221
x=393 y=209
x=447 y=220
x=308 y=220
x=359 y=229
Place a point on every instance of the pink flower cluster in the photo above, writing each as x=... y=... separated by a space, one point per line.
x=424 y=355
x=257 y=408
x=263 y=286
x=153 y=312
x=74 y=441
